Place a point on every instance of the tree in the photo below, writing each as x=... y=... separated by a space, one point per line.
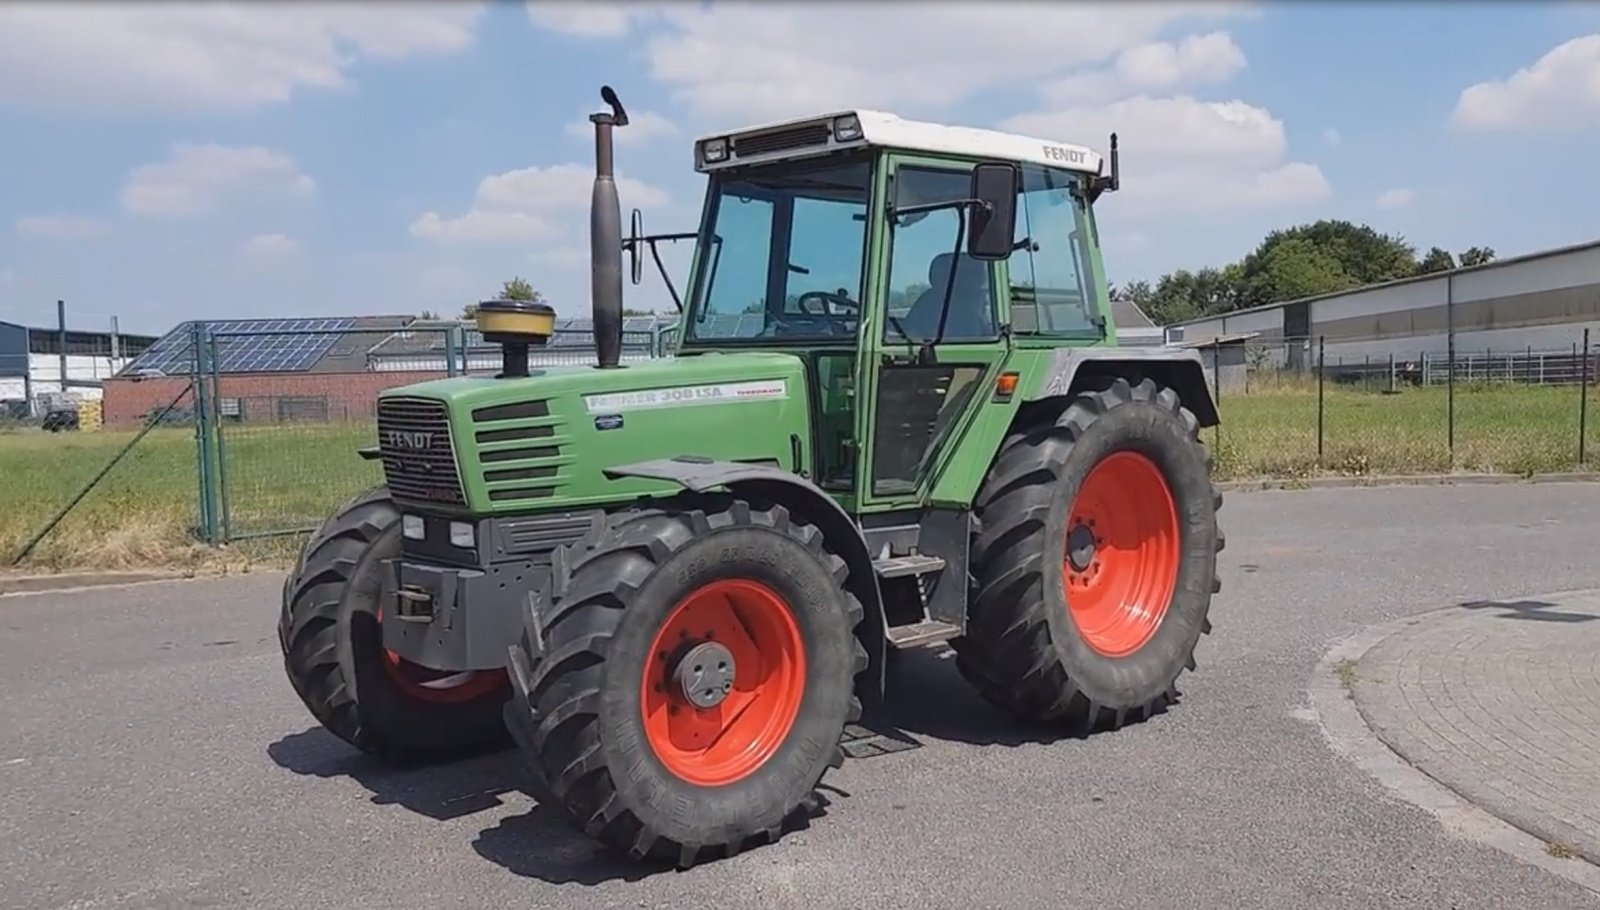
x=515 y=289
x=1341 y=255
x=1437 y=260
x=518 y=289
x=1477 y=255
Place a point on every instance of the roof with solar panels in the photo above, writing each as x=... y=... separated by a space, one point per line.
x=859 y=129
x=357 y=344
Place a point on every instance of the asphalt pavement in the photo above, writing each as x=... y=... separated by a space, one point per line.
x=153 y=756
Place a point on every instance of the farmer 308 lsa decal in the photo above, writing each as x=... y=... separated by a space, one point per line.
x=895 y=415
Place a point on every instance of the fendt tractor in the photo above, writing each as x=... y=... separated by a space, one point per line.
x=895 y=415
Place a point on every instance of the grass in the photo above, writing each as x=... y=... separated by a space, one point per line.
x=283 y=477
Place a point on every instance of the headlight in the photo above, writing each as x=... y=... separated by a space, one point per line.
x=847 y=128
x=462 y=534
x=411 y=527
x=713 y=150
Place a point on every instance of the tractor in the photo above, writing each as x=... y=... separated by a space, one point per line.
x=895 y=416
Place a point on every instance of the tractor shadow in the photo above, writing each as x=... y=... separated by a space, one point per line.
x=928 y=698
x=536 y=843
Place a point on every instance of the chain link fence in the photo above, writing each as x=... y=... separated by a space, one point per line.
x=1294 y=409
x=239 y=440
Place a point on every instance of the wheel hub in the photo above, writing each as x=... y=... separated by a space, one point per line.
x=705 y=674
x=1080 y=547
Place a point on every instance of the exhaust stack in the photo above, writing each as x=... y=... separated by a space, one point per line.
x=605 y=236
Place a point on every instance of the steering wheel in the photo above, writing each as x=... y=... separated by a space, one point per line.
x=837 y=298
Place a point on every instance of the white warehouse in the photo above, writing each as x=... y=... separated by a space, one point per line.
x=31 y=364
x=1536 y=304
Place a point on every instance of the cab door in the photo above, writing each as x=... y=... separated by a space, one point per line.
x=922 y=399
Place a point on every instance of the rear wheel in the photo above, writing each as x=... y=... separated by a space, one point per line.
x=686 y=679
x=1096 y=559
x=331 y=635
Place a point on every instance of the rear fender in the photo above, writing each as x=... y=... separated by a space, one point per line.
x=1180 y=368
x=806 y=502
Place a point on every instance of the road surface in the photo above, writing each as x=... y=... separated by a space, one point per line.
x=153 y=756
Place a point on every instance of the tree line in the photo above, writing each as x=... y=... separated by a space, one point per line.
x=1322 y=257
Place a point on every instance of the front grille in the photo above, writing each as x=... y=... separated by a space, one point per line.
x=419 y=460
x=519 y=448
x=782 y=140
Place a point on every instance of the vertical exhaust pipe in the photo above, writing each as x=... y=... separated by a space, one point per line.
x=605 y=236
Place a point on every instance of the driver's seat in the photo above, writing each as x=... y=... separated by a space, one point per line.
x=971 y=312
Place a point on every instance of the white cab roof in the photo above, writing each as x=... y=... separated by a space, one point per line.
x=889 y=130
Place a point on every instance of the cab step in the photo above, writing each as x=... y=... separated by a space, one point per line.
x=923 y=633
x=901 y=566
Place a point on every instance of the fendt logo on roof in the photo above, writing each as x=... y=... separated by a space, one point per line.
x=1070 y=156
x=402 y=439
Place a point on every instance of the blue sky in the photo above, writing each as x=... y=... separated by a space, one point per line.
x=164 y=162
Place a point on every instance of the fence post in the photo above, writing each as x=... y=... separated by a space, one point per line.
x=214 y=396
x=1583 y=400
x=450 y=350
x=202 y=442
x=1321 y=353
x=1450 y=399
x=1216 y=388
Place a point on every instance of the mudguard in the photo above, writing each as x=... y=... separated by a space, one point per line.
x=1181 y=368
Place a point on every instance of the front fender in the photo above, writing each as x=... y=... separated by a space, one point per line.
x=1181 y=368
x=806 y=502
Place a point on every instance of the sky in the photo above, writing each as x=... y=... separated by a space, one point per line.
x=161 y=162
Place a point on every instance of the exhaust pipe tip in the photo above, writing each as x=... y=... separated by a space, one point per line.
x=515 y=325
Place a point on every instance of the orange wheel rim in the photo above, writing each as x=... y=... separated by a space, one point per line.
x=723 y=682
x=1120 y=567
x=447 y=687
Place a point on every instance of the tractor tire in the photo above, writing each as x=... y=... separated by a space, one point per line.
x=638 y=751
x=332 y=642
x=1095 y=560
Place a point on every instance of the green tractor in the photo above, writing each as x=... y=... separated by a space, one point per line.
x=896 y=415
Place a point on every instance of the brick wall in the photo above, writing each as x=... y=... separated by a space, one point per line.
x=262 y=396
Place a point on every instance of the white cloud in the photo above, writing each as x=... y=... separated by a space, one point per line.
x=643 y=126
x=1208 y=58
x=735 y=62
x=208 y=56
x=1332 y=136
x=1561 y=90
x=1396 y=198
x=529 y=205
x=478 y=226
x=60 y=227
x=270 y=246
x=198 y=178
x=1181 y=153
x=582 y=19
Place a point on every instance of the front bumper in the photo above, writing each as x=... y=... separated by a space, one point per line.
x=452 y=618
x=458 y=609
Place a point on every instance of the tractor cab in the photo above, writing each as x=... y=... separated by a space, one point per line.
x=903 y=262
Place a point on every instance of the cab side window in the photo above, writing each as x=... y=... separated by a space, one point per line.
x=922 y=257
x=1050 y=286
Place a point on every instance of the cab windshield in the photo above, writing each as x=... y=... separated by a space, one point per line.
x=781 y=253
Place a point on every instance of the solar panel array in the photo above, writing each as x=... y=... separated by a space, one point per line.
x=578 y=332
x=248 y=346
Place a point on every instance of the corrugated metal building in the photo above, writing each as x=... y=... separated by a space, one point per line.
x=1538 y=303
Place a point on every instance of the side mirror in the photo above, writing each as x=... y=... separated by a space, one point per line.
x=636 y=234
x=994 y=222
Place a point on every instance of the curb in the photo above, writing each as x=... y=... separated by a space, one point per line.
x=66 y=581
x=1348 y=734
x=1404 y=480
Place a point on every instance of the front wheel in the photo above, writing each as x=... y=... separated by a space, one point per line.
x=685 y=680
x=332 y=640
x=1096 y=559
